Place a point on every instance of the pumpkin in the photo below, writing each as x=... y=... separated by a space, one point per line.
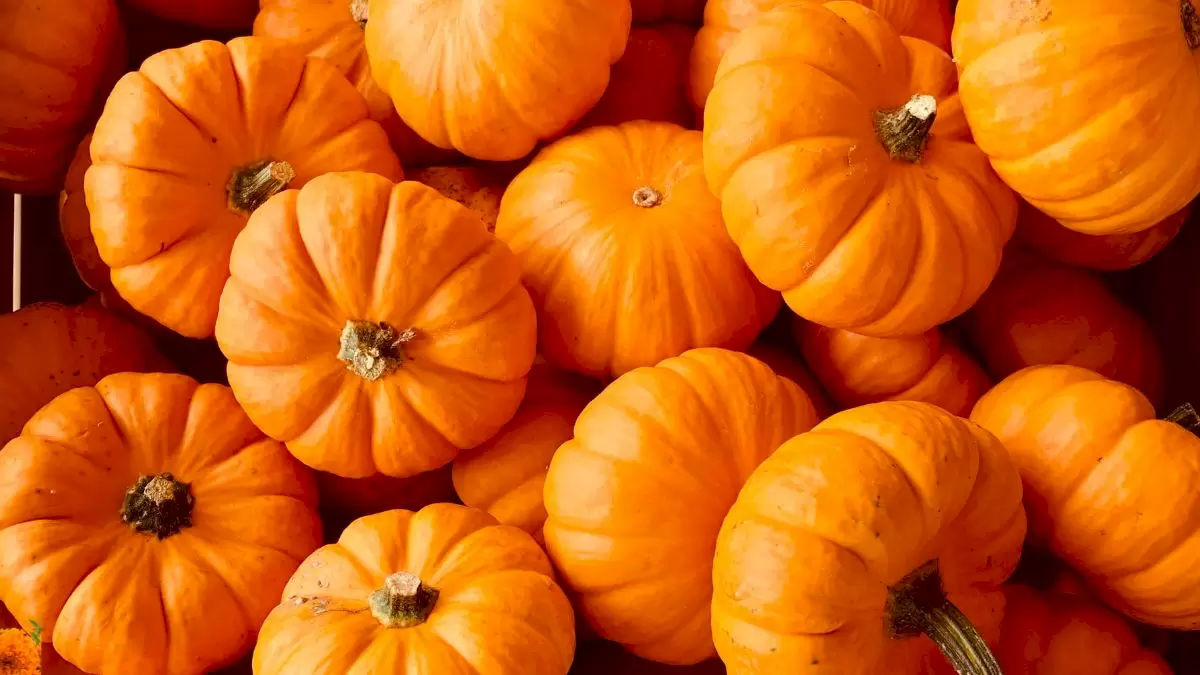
x=614 y=225
x=491 y=87
x=192 y=143
x=150 y=506
x=894 y=515
x=928 y=20
x=49 y=349
x=856 y=369
x=864 y=200
x=207 y=13
x=1045 y=235
x=1017 y=323
x=56 y=64
x=1096 y=135
x=344 y=500
x=332 y=30
x=388 y=367
x=788 y=366
x=505 y=475
x=476 y=188
x=76 y=224
x=649 y=82
x=635 y=498
x=1105 y=483
x=658 y=11
x=598 y=657
x=443 y=591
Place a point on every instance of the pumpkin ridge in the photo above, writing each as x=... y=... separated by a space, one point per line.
x=201 y=559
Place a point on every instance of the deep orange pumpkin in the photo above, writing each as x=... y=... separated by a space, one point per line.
x=206 y=13
x=862 y=197
x=1047 y=236
x=477 y=188
x=76 y=224
x=650 y=80
x=785 y=364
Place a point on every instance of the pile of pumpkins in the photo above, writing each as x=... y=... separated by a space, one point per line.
x=604 y=336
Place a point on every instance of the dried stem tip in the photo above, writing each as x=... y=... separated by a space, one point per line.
x=251 y=186
x=904 y=131
x=372 y=350
x=647 y=197
x=158 y=505
x=403 y=602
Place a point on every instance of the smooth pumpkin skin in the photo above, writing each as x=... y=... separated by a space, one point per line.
x=57 y=62
x=75 y=223
x=636 y=497
x=928 y=20
x=856 y=369
x=1017 y=323
x=820 y=209
x=172 y=136
x=206 y=13
x=182 y=604
x=476 y=188
x=1106 y=252
x=787 y=365
x=1050 y=634
x=836 y=516
x=1105 y=484
x=499 y=611
x=1087 y=136
x=47 y=349
x=598 y=264
x=297 y=278
x=659 y=11
x=492 y=84
x=649 y=82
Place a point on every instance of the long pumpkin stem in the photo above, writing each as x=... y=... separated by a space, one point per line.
x=372 y=350
x=403 y=602
x=1186 y=417
x=917 y=605
x=647 y=197
x=359 y=10
x=904 y=131
x=1191 y=24
x=251 y=186
x=158 y=505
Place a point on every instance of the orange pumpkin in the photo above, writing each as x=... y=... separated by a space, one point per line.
x=147 y=526
x=505 y=475
x=658 y=11
x=388 y=367
x=206 y=13
x=192 y=143
x=882 y=524
x=1045 y=235
x=650 y=80
x=856 y=369
x=56 y=64
x=786 y=365
x=615 y=225
x=476 y=188
x=636 y=497
x=928 y=20
x=76 y=224
x=344 y=500
x=446 y=591
x=1096 y=135
x=598 y=657
x=493 y=85
x=1038 y=313
x=863 y=200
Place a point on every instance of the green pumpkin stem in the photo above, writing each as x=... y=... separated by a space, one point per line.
x=372 y=350
x=359 y=10
x=159 y=505
x=1191 y=24
x=904 y=131
x=251 y=186
x=917 y=605
x=1186 y=417
x=403 y=602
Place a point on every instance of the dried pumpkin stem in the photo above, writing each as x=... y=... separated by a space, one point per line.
x=359 y=10
x=372 y=350
x=403 y=602
x=917 y=605
x=904 y=131
x=1186 y=417
x=1191 y=24
x=251 y=186
x=647 y=197
x=159 y=505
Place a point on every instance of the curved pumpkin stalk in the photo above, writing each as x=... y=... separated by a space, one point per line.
x=1186 y=417
x=917 y=605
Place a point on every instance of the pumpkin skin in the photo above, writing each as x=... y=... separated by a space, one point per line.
x=882 y=232
x=831 y=525
x=658 y=11
x=492 y=85
x=636 y=497
x=1085 y=136
x=498 y=612
x=856 y=369
x=1045 y=235
x=476 y=188
x=649 y=82
x=183 y=114
x=1092 y=455
x=209 y=559
x=206 y=13
x=389 y=368
x=1018 y=324
x=76 y=224
x=55 y=67
x=615 y=224
x=928 y=20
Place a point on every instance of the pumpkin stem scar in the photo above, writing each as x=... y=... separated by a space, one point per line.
x=403 y=602
x=359 y=10
x=372 y=350
x=251 y=186
x=1186 y=417
x=1191 y=24
x=917 y=605
x=647 y=197
x=158 y=505
x=904 y=131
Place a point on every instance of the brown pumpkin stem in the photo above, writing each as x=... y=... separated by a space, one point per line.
x=1186 y=417
x=158 y=505
x=251 y=186
x=372 y=350
x=1191 y=24
x=359 y=10
x=917 y=605
x=403 y=602
x=647 y=197
x=904 y=131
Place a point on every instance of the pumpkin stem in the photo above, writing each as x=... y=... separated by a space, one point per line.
x=917 y=605
x=1186 y=417
x=251 y=186
x=358 y=10
x=159 y=505
x=904 y=131
x=372 y=350
x=404 y=601
x=1191 y=24
x=647 y=197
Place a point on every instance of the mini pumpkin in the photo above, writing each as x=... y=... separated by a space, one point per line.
x=1045 y=235
x=443 y=591
x=616 y=224
x=228 y=14
x=658 y=11
x=476 y=188
x=389 y=367
x=649 y=82
x=636 y=497
x=192 y=143
x=493 y=85
x=76 y=224
x=863 y=200
x=884 y=523
x=147 y=526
